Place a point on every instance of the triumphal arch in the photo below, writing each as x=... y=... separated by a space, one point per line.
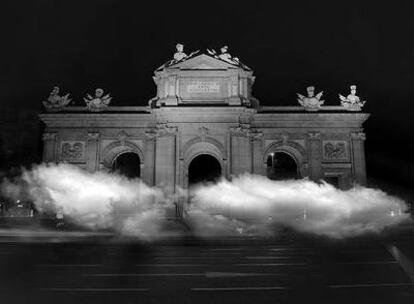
x=205 y=123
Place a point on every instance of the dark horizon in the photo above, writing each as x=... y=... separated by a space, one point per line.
x=82 y=45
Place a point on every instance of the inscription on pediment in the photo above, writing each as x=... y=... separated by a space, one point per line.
x=203 y=87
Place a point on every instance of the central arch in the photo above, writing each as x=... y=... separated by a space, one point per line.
x=127 y=164
x=204 y=168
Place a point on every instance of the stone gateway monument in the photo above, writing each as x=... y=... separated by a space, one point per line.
x=204 y=124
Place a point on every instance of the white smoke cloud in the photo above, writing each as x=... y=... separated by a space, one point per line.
x=255 y=204
x=247 y=205
x=93 y=200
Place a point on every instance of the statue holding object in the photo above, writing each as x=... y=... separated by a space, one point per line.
x=311 y=102
x=352 y=102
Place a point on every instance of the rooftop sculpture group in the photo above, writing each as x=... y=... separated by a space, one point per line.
x=224 y=55
x=313 y=103
x=99 y=101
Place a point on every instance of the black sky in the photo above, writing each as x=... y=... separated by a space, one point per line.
x=116 y=45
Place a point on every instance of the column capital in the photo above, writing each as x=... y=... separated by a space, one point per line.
x=49 y=136
x=151 y=135
x=314 y=135
x=358 y=135
x=93 y=135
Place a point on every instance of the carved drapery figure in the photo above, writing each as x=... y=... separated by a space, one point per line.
x=55 y=102
x=352 y=102
x=311 y=102
x=98 y=102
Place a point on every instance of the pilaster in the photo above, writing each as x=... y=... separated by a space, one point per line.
x=315 y=155
x=92 y=151
x=358 y=157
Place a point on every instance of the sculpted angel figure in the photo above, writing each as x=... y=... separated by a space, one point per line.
x=311 y=102
x=98 y=102
x=55 y=101
x=352 y=102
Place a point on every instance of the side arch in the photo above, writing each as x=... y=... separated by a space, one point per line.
x=293 y=149
x=113 y=150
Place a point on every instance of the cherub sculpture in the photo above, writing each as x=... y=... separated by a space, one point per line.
x=352 y=102
x=99 y=102
x=311 y=102
x=55 y=102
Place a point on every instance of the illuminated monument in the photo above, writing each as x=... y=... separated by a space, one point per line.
x=204 y=123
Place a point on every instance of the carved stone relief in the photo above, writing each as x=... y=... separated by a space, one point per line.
x=335 y=149
x=72 y=150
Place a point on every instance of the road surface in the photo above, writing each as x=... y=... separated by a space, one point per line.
x=287 y=270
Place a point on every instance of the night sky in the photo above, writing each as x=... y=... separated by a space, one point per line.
x=116 y=45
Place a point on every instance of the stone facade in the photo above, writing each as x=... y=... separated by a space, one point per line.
x=205 y=106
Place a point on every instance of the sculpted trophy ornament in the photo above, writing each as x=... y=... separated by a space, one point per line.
x=311 y=102
x=352 y=102
x=55 y=102
x=98 y=102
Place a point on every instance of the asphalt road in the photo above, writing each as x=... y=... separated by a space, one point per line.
x=286 y=270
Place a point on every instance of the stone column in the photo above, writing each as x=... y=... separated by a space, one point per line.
x=358 y=157
x=315 y=156
x=49 y=147
x=172 y=91
x=233 y=87
x=165 y=163
x=241 y=154
x=92 y=152
x=149 y=153
x=257 y=148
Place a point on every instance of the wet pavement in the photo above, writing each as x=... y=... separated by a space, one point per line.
x=289 y=269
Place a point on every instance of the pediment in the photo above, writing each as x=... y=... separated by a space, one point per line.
x=203 y=62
